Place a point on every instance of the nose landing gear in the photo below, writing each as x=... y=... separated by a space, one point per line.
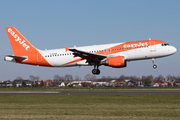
x=154 y=66
x=153 y=61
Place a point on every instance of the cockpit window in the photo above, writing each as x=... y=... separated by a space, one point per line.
x=164 y=44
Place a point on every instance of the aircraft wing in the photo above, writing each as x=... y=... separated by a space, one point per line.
x=90 y=57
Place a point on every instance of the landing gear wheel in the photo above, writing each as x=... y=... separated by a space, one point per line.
x=153 y=61
x=154 y=66
x=96 y=71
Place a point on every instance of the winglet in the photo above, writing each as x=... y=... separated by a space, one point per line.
x=66 y=49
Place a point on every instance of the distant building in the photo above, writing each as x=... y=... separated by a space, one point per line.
x=48 y=83
x=177 y=84
x=62 y=84
x=2 y=83
x=155 y=84
x=19 y=83
x=98 y=84
x=163 y=84
x=132 y=84
x=122 y=84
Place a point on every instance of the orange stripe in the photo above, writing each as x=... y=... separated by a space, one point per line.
x=77 y=60
x=129 y=46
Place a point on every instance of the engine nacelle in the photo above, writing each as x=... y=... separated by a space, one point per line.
x=116 y=62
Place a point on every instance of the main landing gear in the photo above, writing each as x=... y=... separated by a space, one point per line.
x=96 y=71
x=153 y=61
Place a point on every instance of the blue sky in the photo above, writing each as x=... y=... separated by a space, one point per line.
x=65 y=23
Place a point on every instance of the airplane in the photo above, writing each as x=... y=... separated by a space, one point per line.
x=114 y=55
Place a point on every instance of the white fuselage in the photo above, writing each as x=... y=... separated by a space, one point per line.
x=59 y=57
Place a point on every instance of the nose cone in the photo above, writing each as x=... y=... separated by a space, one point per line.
x=173 y=50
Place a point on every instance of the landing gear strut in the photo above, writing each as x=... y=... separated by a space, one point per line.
x=96 y=71
x=153 y=61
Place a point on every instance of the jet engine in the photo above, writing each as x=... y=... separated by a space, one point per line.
x=116 y=62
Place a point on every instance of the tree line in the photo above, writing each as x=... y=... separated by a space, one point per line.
x=90 y=77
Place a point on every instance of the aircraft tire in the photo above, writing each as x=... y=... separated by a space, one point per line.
x=154 y=66
x=94 y=71
x=98 y=72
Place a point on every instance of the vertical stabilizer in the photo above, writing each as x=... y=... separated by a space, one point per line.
x=24 y=51
x=20 y=45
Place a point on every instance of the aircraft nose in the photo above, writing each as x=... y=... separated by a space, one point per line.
x=173 y=50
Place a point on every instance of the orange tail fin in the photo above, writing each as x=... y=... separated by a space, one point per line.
x=19 y=44
x=24 y=51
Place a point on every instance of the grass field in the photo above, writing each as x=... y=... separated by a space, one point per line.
x=90 y=107
x=94 y=89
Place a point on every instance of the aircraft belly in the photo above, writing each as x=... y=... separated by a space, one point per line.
x=82 y=63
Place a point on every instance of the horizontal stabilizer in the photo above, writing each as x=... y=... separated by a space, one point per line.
x=12 y=58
